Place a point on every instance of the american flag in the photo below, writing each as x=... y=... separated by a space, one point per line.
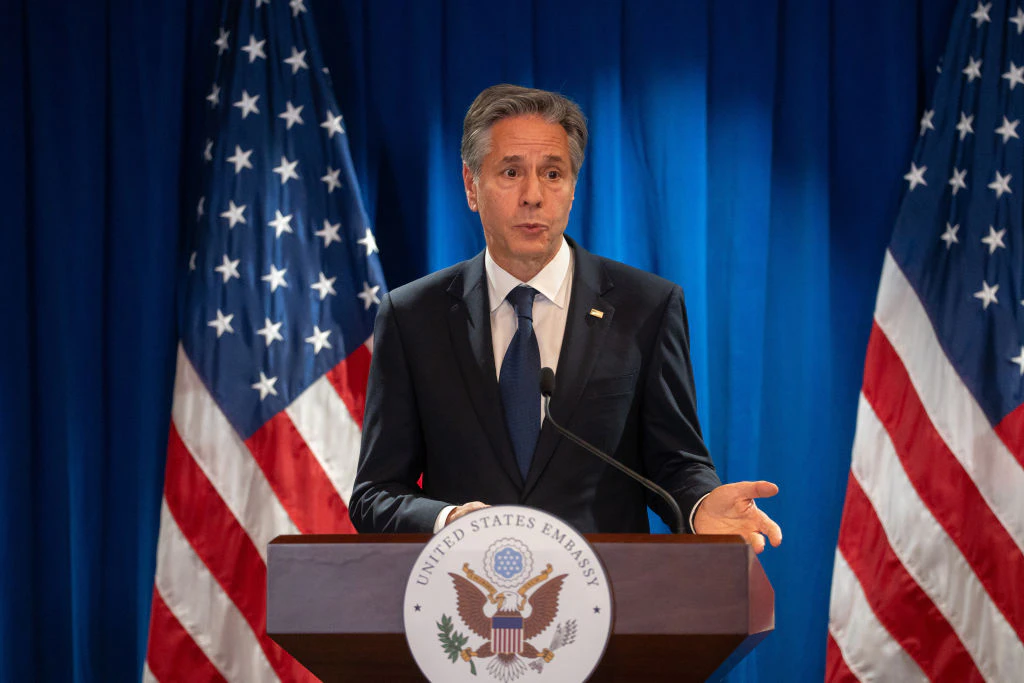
x=928 y=581
x=280 y=288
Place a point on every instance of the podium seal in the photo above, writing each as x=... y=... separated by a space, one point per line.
x=506 y=594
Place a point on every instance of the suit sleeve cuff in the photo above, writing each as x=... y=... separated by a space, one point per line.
x=442 y=516
x=693 y=512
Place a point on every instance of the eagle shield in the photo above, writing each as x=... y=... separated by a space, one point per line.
x=507 y=619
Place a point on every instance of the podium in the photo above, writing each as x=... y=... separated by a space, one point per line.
x=686 y=608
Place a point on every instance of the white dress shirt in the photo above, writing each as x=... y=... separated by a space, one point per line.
x=550 y=312
x=550 y=308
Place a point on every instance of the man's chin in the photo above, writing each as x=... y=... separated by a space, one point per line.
x=535 y=243
x=534 y=253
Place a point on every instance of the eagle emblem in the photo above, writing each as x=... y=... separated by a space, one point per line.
x=507 y=611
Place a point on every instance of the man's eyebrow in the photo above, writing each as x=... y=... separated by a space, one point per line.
x=515 y=158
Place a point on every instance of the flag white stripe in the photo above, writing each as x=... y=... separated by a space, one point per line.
x=147 y=675
x=225 y=460
x=326 y=425
x=929 y=555
x=868 y=648
x=956 y=415
x=204 y=610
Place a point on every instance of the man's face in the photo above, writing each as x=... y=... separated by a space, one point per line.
x=524 y=193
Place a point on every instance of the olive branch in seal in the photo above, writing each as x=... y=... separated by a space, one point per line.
x=452 y=641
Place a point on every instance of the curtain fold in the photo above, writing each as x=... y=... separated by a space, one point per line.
x=750 y=151
x=96 y=125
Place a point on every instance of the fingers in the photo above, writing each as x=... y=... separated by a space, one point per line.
x=765 y=526
x=772 y=530
x=760 y=489
x=463 y=510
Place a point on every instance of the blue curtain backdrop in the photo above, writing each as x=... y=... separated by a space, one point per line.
x=751 y=151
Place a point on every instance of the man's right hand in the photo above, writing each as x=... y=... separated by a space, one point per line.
x=463 y=510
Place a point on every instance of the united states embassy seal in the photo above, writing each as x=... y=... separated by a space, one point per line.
x=505 y=594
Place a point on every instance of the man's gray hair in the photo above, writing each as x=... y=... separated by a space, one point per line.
x=505 y=101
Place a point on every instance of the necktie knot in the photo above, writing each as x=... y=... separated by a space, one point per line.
x=521 y=299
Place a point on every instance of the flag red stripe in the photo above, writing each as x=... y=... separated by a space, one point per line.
x=896 y=599
x=349 y=378
x=1011 y=431
x=172 y=655
x=224 y=547
x=298 y=479
x=941 y=482
x=836 y=669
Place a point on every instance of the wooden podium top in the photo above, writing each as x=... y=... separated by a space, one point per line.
x=685 y=607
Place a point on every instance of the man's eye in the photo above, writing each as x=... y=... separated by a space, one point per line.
x=554 y=175
x=510 y=173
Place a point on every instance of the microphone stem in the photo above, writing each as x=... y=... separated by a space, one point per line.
x=617 y=465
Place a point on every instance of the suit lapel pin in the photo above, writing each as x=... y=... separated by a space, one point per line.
x=596 y=313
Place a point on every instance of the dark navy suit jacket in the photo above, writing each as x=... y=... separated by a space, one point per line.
x=624 y=383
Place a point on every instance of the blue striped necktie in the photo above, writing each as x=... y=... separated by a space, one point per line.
x=519 y=380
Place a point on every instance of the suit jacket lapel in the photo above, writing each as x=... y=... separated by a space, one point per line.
x=469 y=323
x=581 y=345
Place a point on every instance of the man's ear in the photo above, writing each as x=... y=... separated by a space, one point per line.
x=467 y=180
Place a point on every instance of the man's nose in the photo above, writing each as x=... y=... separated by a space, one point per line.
x=531 y=191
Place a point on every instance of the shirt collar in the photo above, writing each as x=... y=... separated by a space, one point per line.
x=551 y=281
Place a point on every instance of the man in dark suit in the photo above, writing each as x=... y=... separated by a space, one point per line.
x=453 y=392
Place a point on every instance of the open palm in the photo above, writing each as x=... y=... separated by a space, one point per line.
x=731 y=509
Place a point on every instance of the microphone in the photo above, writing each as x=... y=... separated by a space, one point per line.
x=547 y=387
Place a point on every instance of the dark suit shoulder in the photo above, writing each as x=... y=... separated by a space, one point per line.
x=619 y=283
x=434 y=287
x=624 y=275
